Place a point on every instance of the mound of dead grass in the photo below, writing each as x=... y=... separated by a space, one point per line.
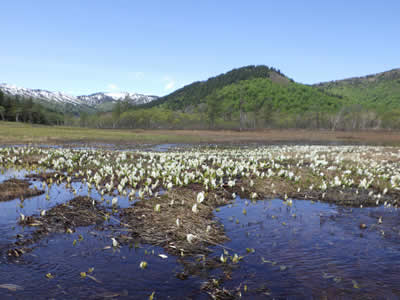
x=161 y=228
x=16 y=188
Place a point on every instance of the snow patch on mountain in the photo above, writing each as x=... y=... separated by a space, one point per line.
x=39 y=94
x=133 y=98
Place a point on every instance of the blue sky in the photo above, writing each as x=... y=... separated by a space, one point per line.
x=155 y=47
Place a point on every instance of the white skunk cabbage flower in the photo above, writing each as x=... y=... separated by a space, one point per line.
x=114 y=242
x=200 y=197
x=157 y=208
x=43 y=213
x=190 y=237
x=22 y=217
x=178 y=223
x=194 y=208
x=114 y=201
x=223 y=259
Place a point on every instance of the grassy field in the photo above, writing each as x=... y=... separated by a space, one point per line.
x=19 y=133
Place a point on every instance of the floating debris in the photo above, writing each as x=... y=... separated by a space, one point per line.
x=11 y=287
x=143 y=265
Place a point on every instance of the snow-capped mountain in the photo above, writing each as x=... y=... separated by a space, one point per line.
x=40 y=94
x=133 y=98
x=88 y=100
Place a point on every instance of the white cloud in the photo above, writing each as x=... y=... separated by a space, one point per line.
x=112 y=87
x=170 y=83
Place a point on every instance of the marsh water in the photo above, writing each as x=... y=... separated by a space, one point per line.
x=306 y=250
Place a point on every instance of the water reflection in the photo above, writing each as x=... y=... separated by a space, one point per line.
x=315 y=250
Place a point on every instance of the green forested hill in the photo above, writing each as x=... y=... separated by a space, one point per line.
x=260 y=96
x=196 y=92
x=264 y=94
x=262 y=101
x=379 y=91
x=248 y=97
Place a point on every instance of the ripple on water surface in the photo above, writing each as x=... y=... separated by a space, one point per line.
x=315 y=249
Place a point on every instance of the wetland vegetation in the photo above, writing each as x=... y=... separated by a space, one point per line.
x=202 y=221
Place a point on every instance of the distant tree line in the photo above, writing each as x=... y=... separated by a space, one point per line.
x=215 y=115
x=17 y=109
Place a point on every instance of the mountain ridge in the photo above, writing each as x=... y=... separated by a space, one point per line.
x=195 y=92
x=101 y=97
x=379 y=89
x=91 y=100
x=374 y=90
x=371 y=77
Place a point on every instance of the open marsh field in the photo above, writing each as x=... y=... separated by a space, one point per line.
x=12 y=133
x=200 y=222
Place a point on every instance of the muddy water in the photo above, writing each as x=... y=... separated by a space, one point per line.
x=301 y=251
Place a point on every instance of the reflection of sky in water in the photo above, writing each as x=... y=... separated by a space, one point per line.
x=12 y=173
x=307 y=250
x=315 y=249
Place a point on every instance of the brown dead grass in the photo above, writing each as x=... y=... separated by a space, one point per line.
x=284 y=135
x=160 y=228
x=44 y=176
x=277 y=187
x=16 y=188
x=17 y=133
x=80 y=211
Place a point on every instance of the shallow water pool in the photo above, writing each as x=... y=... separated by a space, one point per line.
x=306 y=250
